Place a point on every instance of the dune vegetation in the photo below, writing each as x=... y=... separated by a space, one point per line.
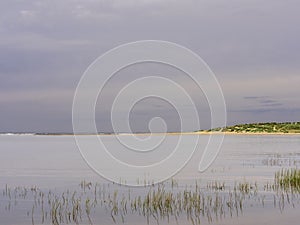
x=272 y=127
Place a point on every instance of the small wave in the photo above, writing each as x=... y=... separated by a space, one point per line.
x=17 y=134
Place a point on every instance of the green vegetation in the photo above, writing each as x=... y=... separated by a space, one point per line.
x=273 y=127
x=288 y=179
x=167 y=201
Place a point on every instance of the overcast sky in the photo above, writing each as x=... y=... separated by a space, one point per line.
x=45 y=46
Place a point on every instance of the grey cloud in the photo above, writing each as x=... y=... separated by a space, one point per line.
x=274 y=104
x=255 y=97
x=266 y=110
x=267 y=101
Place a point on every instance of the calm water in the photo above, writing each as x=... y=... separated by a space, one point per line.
x=53 y=163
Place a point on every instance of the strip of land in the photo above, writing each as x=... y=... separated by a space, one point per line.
x=258 y=128
x=287 y=128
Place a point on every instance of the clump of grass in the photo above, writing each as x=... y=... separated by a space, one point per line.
x=247 y=188
x=217 y=186
x=288 y=179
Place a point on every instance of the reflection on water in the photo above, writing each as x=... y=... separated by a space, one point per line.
x=40 y=176
x=288 y=160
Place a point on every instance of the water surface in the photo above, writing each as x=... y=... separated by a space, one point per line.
x=53 y=163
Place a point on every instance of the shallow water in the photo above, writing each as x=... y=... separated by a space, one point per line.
x=54 y=163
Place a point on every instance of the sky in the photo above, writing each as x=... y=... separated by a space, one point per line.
x=251 y=46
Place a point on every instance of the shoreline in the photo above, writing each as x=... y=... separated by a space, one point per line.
x=180 y=133
x=246 y=133
x=168 y=133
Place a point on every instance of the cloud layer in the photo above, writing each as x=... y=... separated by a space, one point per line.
x=45 y=46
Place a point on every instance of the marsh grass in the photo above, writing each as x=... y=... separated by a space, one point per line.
x=288 y=179
x=165 y=202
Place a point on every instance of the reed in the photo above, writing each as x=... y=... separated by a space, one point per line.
x=288 y=179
